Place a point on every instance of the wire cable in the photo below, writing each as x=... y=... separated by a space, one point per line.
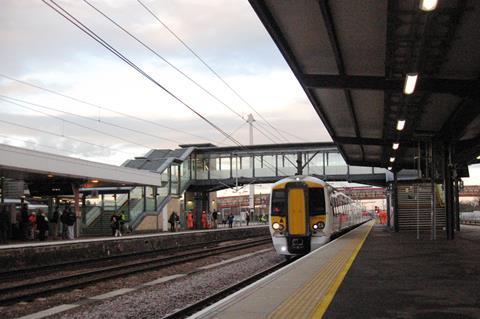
x=163 y=59
x=67 y=137
x=105 y=44
x=292 y=135
x=6 y=98
x=100 y=107
x=208 y=67
x=77 y=124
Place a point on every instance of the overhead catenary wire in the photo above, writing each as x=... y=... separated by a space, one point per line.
x=65 y=136
x=100 y=107
x=70 y=18
x=189 y=48
x=91 y=119
x=292 y=135
x=77 y=124
x=149 y=48
x=105 y=44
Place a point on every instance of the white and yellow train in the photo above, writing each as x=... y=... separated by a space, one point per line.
x=305 y=212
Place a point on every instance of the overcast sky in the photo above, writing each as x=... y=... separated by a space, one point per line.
x=40 y=47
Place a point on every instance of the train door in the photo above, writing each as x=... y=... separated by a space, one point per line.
x=297 y=213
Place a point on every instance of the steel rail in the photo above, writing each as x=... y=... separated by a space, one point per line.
x=29 y=291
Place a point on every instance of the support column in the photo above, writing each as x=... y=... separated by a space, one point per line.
x=457 y=206
x=76 y=208
x=448 y=195
x=299 y=164
x=433 y=213
x=395 y=202
x=251 y=193
x=2 y=181
x=388 y=207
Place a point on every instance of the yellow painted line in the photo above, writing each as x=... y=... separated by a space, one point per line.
x=327 y=300
x=303 y=302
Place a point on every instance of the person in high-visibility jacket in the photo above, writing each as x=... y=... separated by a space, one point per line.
x=190 y=220
x=204 y=220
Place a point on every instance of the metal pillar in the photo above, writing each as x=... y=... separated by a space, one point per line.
x=299 y=164
x=457 y=206
x=448 y=194
x=395 y=202
x=2 y=181
x=251 y=196
x=433 y=214
x=76 y=208
x=388 y=208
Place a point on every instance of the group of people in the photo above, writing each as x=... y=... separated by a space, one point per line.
x=207 y=220
x=117 y=223
x=35 y=224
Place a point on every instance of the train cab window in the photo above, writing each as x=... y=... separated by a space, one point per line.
x=316 y=201
x=279 y=202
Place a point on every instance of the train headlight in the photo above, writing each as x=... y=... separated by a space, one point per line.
x=276 y=226
x=320 y=225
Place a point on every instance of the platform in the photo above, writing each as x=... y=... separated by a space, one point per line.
x=35 y=254
x=392 y=275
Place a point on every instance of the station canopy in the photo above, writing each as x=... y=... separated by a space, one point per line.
x=352 y=58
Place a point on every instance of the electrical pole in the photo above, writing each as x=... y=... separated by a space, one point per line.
x=251 y=199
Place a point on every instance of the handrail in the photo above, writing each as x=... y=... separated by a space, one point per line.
x=92 y=214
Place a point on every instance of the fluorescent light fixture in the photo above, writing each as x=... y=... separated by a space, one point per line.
x=392 y=159
x=410 y=82
x=389 y=168
x=95 y=181
x=428 y=5
x=400 y=124
x=395 y=146
x=478 y=157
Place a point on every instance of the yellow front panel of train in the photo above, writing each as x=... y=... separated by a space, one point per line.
x=296 y=212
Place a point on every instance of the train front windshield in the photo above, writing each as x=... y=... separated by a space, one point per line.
x=279 y=202
x=316 y=201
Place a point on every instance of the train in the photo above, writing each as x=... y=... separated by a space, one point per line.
x=305 y=212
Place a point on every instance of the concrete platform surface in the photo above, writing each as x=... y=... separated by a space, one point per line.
x=303 y=289
x=397 y=276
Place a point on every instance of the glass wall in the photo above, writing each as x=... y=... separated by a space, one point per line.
x=201 y=167
x=185 y=171
x=150 y=199
x=287 y=164
x=315 y=166
x=174 y=178
x=265 y=165
x=136 y=202
x=334 y=164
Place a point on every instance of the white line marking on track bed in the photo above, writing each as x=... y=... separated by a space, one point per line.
x=163 y=279
x=49 y=312
x=233 y=259
x=113 y=293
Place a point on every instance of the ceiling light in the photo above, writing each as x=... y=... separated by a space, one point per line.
x=395 y=146
x=410 y=82
x=49 y=175
x=428 y=5
x=389 y=168
x=392 y=159
x=95 y=181
x=400 y=124
x=478 y=157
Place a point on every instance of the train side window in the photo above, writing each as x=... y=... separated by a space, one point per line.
x=279 y=202
x=316 y=201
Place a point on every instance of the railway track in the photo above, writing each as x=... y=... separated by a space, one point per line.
x=29 y=291
x=201 y=304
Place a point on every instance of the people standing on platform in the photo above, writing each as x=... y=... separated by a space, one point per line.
x=115 y=225
x=172 y=220
x=247 y=218
x=230 y=220
x=32 y=225
x=63 y=219
x=214 y=218
x=204 y=219
x=42 y=225
x=4 y=225
x=71 y=219
x=24 y=221
x=122 y=220
x=55 y=222
x=190 y=220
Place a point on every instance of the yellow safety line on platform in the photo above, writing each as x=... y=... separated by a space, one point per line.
x=327 y=300
x=320 y=291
